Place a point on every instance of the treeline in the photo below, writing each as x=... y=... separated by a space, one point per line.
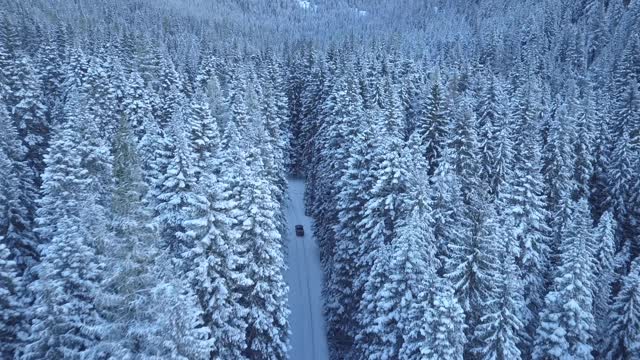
x=470 y=209
x=141 y=209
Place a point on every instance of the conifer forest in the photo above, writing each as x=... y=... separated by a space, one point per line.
x=467 y=173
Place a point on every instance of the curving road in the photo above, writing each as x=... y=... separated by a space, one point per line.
x=304 y=276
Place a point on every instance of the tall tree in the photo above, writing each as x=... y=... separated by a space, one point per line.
x=386 y=314
x=624 y=322
x=604 y=275
x=12 y=306
x=566 y=321
x=434 y=125
x=72 y=217
x=440 y=333
x=501 y=329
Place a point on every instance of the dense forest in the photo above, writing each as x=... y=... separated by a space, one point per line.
x=472 y=168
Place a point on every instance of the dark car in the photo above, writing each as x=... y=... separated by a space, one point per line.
x=299 y=230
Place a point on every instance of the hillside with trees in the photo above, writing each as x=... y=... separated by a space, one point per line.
x=472 y=170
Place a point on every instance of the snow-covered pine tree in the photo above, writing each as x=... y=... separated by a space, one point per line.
x=440 y=333
x=434 y=127
x=125 y=303
x=623 y=182
x=181 y=209
x=17 y=196
x=558 y=163
x=29 y=114
x=625 y=122
x=500 y=332
x=170 y=92
x=136 y=106
x=623 y=332
x=450 y=225
x=267 y=333
x=394 y=116
x=216 y=273
x=523 y=207
x=72 y=220
x=203 y=135
x=463 y=141
x=12 y=307
x=393 y=179
x=180 y=331
x=342 y=113
x=583 y=143
x=401 y=275
x=473 y=264
x=600 y=198
x=493 y=134
x=104 y=88
x=566 y=321
x=604 y=276
x=350 y=202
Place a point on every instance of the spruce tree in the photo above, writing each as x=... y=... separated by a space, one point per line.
x=524 y=209
x=566 y=321
x=624 y=322
x=493 y=135
x=18 y=197
x=265 y=298
x=450 y=223
x=435 y=125
x=72 y=218
x=351 y=199
x=604 y=275
x=440 y=333
x=181 y=209
x=402 y=273
x=501 y=329
x=12 y=307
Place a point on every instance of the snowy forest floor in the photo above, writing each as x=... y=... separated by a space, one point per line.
x=304 y=276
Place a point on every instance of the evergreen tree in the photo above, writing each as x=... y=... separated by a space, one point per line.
x=500 y=331
x=351 y=199
x=136 y=106
x=180 y=208
x=204 y=137
x=566 y=321
x=624 y=322
x=604 y=275
x=600 y=198
x=131 y=326
x=464 y=143
x=72 y=218
x=558 y=172
x=434 y=126
x=181 y=333
x=268 y=328
x=493 y=136
x=525 y=211
x=29 y=114
x=217 y=271
x=397 y=282
x=393 y=179
x=440 y=334
x=18 y=196
x=12 y=308
x=450 y=224
x=472 y=265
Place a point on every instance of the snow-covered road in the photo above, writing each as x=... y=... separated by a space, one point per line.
x=304 y=276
